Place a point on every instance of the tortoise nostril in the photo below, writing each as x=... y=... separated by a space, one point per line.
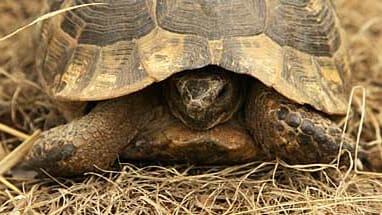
x=223 y=92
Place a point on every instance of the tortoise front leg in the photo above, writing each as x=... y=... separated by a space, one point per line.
x=295 y=133
x=92 y=140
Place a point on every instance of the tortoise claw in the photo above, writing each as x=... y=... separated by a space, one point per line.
x=292 y=132
x=92 y=140
x=43 y=154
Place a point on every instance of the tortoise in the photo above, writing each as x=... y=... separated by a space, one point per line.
x=192 y=81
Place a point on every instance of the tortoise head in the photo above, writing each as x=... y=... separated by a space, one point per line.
x=205 y=97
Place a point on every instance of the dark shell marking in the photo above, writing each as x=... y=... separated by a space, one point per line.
x=110 y=50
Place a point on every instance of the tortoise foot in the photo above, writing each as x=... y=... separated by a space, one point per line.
x=91 y=141
x=50 y=149
x=305 y=135
x=295 y=133
x=70 y=150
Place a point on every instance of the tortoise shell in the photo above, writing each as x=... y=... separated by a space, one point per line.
x=109 y=50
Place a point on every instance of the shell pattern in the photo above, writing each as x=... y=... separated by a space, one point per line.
x=108 y=50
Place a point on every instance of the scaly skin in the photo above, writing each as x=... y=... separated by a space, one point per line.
x=141 y=127
x=92 y=140
x=295 y=133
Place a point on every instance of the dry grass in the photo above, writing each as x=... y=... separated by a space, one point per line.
x=255 y=188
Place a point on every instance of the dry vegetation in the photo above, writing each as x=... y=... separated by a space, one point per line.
x=256 y=188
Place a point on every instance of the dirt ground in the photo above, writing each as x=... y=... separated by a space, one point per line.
x=254 y=188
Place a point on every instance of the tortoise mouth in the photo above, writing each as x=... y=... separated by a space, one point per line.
x=205 y=97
